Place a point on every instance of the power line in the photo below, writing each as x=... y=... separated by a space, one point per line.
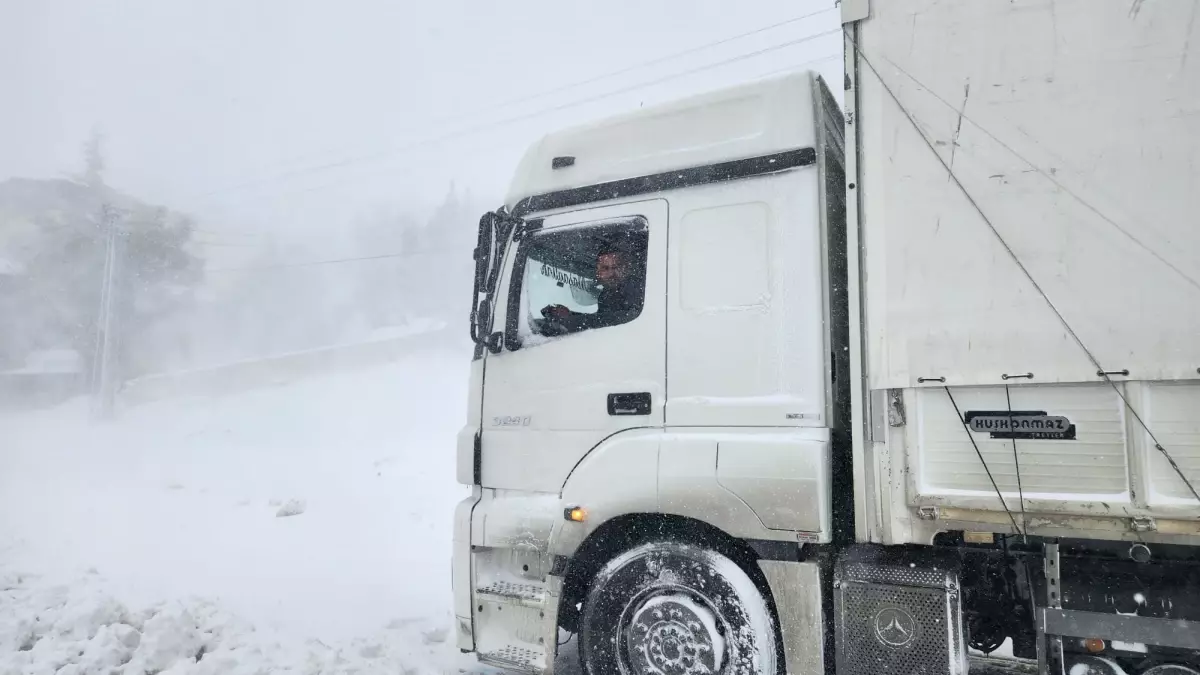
x=222 y=244
x=510 y=120
x=407 y=170
x=316 y=263
x=628 y=69
x=224 y=233
x=464 y=250
x=435 y=251
x=410 y=169
x=340 y=183
x=312 y=263
x=519 y=118
x=663 y=59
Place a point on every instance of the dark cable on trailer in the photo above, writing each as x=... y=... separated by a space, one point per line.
x=1192 y=281
x=1024 y=270
x=999 y=494
x=1017 y=463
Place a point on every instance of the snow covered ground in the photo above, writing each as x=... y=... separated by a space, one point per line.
x=300 y=529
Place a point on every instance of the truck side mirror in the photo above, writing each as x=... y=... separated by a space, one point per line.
x=483 y=251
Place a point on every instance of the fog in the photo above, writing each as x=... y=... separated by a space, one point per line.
x=295 y=132
x=217 y=107
x=235 y=257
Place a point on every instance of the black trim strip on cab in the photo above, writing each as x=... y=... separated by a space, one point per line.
x=671 y=180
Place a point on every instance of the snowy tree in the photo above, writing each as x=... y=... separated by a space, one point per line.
x=157 y=281
x=93 y=160
x=438 y=266
x=381 y=284
x=432 y=273
x=58 y=236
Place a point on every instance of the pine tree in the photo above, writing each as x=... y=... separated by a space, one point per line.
x=93 y=160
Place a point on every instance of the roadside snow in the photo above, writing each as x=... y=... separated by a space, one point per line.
x=79 y=629
x=303 y=529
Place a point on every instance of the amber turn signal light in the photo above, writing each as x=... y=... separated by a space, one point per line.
x=575 y=514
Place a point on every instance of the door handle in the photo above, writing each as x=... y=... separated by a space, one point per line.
x=629 y=404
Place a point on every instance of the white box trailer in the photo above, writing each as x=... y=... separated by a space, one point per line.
x=764 y=386
x=1028 y=217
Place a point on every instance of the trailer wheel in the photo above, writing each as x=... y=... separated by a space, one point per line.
x=670 y=608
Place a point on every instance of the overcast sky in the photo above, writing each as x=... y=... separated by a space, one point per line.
x=259 y=115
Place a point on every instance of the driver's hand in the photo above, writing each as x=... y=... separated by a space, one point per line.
x=556 y=311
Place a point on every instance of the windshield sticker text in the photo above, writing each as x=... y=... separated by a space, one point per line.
x=564 y=277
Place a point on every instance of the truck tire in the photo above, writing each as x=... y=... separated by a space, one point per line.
x=667 y=607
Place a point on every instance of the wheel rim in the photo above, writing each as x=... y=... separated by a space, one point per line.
x=671 y=631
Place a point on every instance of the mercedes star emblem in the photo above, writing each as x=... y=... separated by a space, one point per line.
x=895 y=627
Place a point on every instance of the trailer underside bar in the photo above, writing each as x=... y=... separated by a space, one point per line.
x=1144 y=629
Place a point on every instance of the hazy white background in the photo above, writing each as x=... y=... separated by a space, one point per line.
x=292 y=131
x=199 y=99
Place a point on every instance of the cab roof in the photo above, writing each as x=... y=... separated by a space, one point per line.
x=751 y=120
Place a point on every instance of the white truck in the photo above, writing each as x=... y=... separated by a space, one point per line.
x=762 y=385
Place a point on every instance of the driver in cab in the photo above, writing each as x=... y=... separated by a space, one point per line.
x=619 y=300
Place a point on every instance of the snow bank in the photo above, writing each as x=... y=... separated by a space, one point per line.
x=78 y=629
x=155 y=544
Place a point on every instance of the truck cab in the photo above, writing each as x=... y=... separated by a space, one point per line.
x=707 y=396
x=770 y=380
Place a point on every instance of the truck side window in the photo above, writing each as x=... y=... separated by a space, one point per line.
x=579 y=278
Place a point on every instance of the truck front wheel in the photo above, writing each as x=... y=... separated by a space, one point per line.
x=671 y=608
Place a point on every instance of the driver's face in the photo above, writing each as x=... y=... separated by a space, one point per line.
x=609 y=270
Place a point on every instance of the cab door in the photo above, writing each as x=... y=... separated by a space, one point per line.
x=550 y=395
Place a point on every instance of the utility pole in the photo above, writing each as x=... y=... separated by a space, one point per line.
x=104 y=358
